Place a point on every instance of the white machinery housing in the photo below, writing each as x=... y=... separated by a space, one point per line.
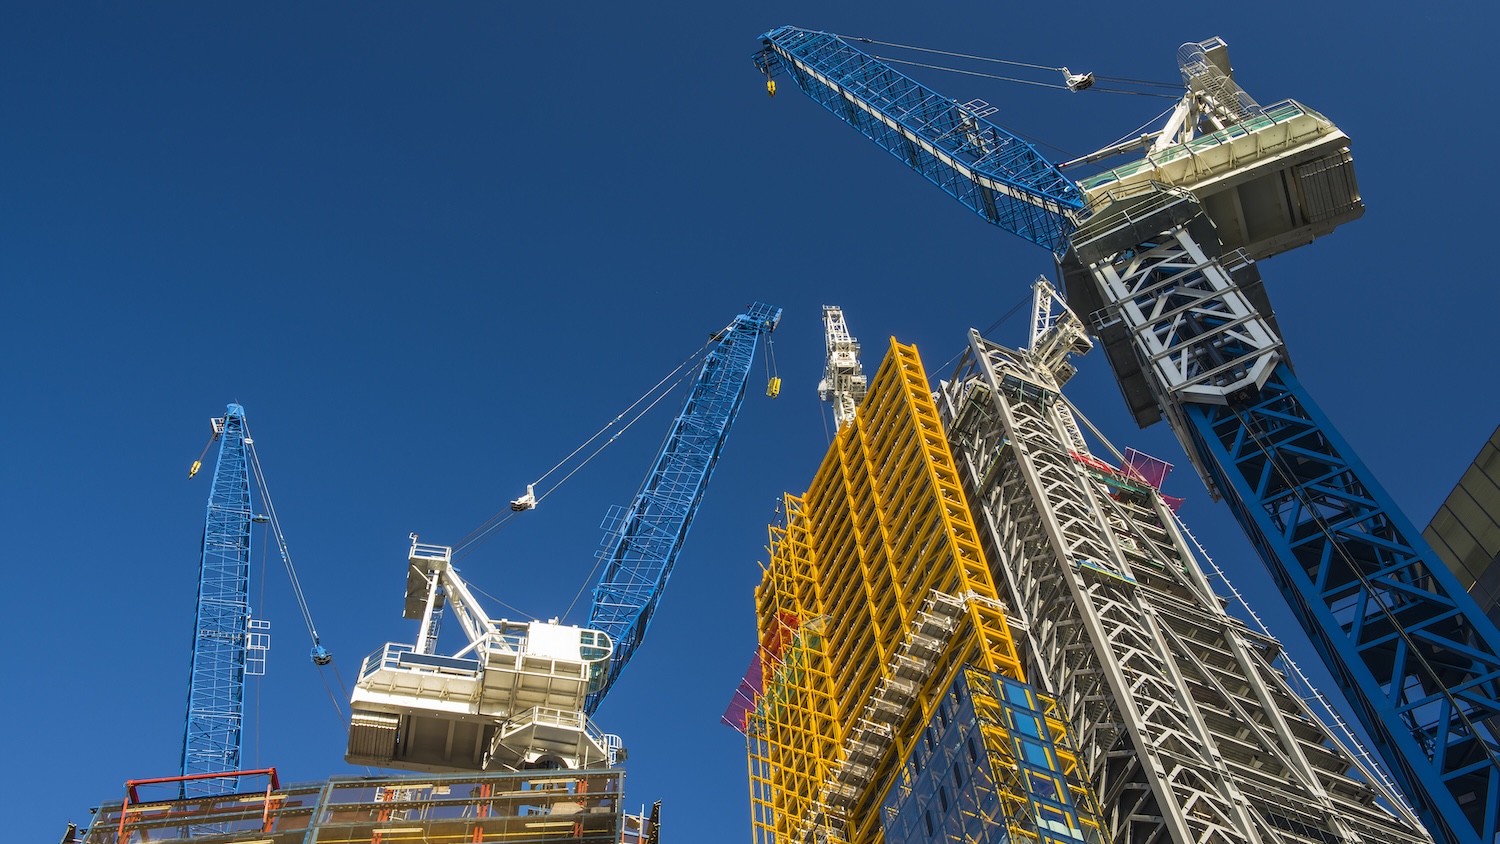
x=512 y=698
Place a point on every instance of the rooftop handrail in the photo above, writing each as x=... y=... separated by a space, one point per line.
x=1272 y=115
x=386 y=656
x=426 y=551
x=504 y=643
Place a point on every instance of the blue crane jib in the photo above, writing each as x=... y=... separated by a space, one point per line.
x=643 y=540
x=993 y=172
x=1161 y=252
x=212 y=740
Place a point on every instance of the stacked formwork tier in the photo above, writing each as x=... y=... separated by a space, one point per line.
x=881 y=569
x=1187 y=730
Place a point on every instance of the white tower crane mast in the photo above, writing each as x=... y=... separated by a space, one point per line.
x=1056 y=332
x=844 y=383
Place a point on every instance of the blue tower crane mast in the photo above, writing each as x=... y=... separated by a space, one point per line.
x=643 y=540
x=222 y=629
x=1162 y=252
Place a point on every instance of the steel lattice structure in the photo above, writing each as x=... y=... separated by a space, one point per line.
x=1194 y=736
x=212 y=740
x=1192 y=337
x=645 y=538
x=988 y=169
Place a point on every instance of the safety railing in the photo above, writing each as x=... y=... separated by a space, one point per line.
x=1281 y=112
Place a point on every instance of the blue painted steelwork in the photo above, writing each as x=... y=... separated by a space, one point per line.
x=211 y=742
x=1406 y=644
x=991 y=171
x=645 y=538
x=1404 y=641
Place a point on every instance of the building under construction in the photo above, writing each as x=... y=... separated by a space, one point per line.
x=893 y=687
x=949 y=552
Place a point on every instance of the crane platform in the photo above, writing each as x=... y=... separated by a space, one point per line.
x=512 y=698
x=1272 y=182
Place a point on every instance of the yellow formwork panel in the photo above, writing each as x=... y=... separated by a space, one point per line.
x=882 y=526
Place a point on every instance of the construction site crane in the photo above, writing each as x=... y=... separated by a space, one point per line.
x=519 y=695
x=228 y=644
x=1161 y=254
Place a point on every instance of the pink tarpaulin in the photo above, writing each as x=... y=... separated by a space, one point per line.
x=1144 y=467
x=772 y=647
x=743 y=701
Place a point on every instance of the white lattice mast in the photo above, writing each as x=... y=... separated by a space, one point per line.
x=1190 y=732
x=1056 y=332
x=844 y=382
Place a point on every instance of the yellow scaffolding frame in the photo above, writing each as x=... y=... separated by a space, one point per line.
x=884 y=525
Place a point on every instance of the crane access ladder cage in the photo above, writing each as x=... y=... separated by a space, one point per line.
x=514 y=807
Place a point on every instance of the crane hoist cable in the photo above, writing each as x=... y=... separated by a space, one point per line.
x=599 y=560
x=517 y=610
x=1015 y=309
x=621 y=415
x=198 y=464
x=1063 y=86
x=531 y=499
x=320 y=655
x=461 y=550
x=1176 y=86
x=319 y=652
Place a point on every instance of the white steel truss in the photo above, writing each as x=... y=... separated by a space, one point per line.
x=1183 y=307
x=1187 y=730
x=1056 y=332
x=844 y=383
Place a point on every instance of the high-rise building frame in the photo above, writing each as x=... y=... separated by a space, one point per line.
x=1187 y=729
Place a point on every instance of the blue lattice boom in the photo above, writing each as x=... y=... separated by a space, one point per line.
x=991 y=171
x=644 y=540
x=211 y=743
x=1404 y=641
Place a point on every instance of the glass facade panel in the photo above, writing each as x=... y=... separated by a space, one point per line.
x=996 y=753
x=1465 y=532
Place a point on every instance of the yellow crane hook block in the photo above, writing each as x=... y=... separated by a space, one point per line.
x=197 y=464
x=773 y=387
x=771 y=87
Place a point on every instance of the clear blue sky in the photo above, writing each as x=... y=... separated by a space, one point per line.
x=432 y=249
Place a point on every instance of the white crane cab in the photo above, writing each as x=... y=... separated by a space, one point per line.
x=511 y=699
